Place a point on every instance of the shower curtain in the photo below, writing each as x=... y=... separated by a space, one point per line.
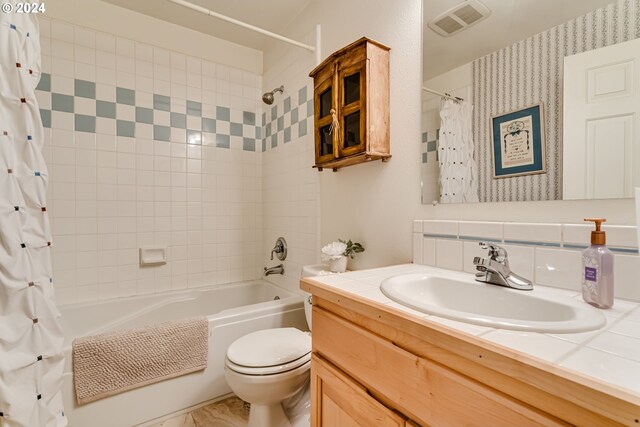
x=458 y=169
x=31 y=361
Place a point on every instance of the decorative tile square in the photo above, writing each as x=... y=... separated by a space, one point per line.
x=161 y=102
x=162 y=133
x=222 y=141
x=125 y=128
x=208 y=125
x=106 y=109
x=85 y=89
x=249 y=144
x=223 y=113
x=85 y=123
x=248 y=118
x=61 y=102
x=45 y=82
x=194 y=108
x=302 y=95
x=236 y=129
x=178 y=120
x=125 y=96
x=144 y=115
x=194 y=137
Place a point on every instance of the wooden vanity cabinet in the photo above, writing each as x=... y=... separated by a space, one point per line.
x=351 y=106
x=374 y=366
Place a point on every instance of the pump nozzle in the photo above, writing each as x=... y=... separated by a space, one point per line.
x=598 y=237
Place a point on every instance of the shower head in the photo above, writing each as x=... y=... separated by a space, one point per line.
x=267 y=98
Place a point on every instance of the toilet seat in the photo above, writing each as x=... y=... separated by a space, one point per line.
x=269 y=370
x=269 y=351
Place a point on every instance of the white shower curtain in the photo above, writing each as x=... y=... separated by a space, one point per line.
x=31 y=361
x=458 y=170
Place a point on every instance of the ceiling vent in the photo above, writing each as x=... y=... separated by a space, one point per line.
x=459 y=18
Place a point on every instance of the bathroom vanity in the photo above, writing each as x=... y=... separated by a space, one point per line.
x=376 y=363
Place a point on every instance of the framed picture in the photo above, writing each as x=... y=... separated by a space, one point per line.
x=518 y=142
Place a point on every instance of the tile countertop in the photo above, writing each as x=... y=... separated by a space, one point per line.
x=610 y=354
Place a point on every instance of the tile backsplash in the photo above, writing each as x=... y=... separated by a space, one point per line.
x=547 y=254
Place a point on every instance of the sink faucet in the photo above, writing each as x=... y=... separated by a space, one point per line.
x=495 y=269
x=278 y=269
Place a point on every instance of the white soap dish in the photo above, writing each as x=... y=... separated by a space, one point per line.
x=153 y=256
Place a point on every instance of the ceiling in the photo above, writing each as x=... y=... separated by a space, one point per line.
x=510 y=21
x=272 y=15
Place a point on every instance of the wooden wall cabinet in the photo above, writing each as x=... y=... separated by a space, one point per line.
x=351 y=106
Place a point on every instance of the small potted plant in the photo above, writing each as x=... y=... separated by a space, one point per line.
x=335 y=254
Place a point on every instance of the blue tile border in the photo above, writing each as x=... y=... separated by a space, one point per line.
x=289 y=118
x=440 y=236
x=532 y=243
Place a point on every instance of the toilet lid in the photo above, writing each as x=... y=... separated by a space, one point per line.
x=269 y=347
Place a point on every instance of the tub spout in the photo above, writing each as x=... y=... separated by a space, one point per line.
x=278 y=269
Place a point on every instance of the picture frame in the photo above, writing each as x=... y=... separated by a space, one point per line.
x=518 y=143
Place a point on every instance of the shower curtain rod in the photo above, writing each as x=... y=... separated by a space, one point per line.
x=444 y=95
x=209 y=12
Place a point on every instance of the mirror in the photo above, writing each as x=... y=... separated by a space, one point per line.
x=519 y=78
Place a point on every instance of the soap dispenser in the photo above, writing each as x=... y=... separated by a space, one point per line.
x=597 y=269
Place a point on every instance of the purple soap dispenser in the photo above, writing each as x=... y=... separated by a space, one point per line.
x=597 y=269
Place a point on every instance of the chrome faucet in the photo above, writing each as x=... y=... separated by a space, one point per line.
x=495 y=269
x=278 y=269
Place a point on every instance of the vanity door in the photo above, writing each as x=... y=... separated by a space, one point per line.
x=338 y=401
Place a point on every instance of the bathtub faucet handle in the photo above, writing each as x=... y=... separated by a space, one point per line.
x=280 y=249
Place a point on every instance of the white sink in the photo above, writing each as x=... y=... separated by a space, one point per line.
x=459 y=297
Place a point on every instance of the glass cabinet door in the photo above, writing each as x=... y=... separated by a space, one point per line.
x=324 y=137
x=352 y=101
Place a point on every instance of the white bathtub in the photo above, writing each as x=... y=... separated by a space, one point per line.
x=233 y=311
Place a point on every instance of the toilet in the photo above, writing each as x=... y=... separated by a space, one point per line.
x=270 y=367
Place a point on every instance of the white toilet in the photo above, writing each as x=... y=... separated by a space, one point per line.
x=268 y=367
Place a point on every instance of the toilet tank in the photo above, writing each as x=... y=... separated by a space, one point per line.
x=310 y=271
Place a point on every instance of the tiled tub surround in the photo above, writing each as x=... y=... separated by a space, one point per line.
x=610 y=354
x=547 y=254
x=148 y=147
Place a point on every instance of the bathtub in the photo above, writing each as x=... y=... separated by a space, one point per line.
x=233 y=310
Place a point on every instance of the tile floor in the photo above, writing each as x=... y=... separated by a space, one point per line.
x=231 y=412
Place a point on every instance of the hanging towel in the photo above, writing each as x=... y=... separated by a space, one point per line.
x=114 y=362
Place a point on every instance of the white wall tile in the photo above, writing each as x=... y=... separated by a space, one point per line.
x=448 y=228
x=558 y=267
x=531 y=232
x=417 y=248
x=471 y=250
x=479 y=229
x=449 y=254
x=521 y=260
x=625 y=277
x=429 y=251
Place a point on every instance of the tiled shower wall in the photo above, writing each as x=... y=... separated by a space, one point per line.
x=291 y=187
x=148 y=147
